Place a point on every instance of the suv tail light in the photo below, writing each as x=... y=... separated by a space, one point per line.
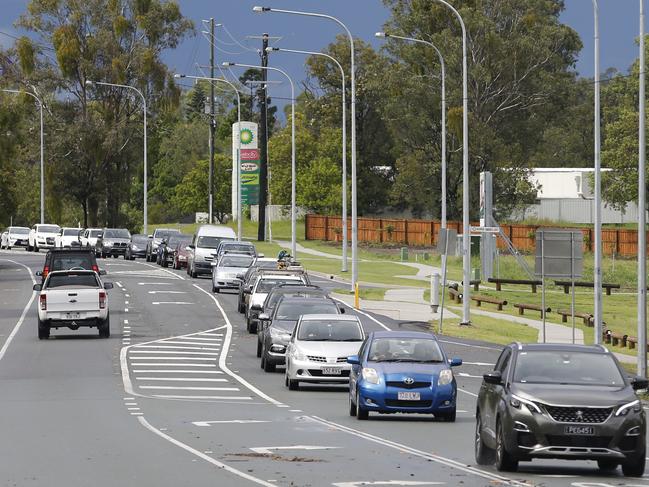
x=95 y=268
x=46 y=271
x=43 y=300
x=102 y=299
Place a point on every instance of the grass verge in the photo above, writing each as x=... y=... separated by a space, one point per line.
x=489 y=330
x=371 y=293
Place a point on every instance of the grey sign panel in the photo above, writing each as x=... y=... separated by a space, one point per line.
x=559 y=253
x=450 y=247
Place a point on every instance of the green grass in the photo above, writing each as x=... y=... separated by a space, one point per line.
x=489 y=330
x=370 y=293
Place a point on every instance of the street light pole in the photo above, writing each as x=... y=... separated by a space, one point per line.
x=344 y=141
x=40 y=106
x=238 y=161
x=642 y=204
x=443 y=70
x=466 y=241
x=597 y=278
x=144 y=109
x=353 y=135
x=293 y=169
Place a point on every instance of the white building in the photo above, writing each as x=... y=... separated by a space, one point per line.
x=566 y=194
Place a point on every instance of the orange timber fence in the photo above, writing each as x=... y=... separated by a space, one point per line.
x=619 y=241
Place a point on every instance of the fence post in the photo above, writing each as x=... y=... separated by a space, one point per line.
x=432 y=233
x=380 y=230
x=405 y=227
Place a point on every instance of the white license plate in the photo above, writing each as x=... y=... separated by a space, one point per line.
x=331 y=370
x=72 y=316
x=579 y=430
x=409 y=396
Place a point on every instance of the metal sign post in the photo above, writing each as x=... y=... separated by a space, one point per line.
x=447 y=238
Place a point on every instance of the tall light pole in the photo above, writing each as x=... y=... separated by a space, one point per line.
x=466 y=241
x=353 y=135
x=293 y=169
x=238 y=161
x=443 y=70
x=40 y=106
x=146 y=190
x=597 y=278
x=344 y=140
x=642 y=205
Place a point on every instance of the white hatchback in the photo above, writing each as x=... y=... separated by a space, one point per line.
x=319 y=348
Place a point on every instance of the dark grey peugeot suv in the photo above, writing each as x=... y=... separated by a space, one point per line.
x=572 y=402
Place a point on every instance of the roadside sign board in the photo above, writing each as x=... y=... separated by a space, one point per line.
x=447 y=241
x=249 y=176
x=559 y=253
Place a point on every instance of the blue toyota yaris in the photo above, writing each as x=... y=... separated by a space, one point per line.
x=402 y=372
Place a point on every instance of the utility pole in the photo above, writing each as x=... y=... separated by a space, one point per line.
x=212 y=125
x=263 y=140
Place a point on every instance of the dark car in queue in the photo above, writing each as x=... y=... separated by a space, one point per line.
x=136 y=247
x=290 y=289
x=571 y=402
x=282 y=323
x=69 y=259
x=249 y=277
x=158 y=235
x=112 y=242
x=167 y=247
x=236 y=247
x=402 y=372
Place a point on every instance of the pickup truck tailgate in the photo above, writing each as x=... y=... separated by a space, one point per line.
x=66 y=300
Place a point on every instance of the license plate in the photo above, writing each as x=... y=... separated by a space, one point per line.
x=579 y=430
x=72 y=316
x=331 y=370
x=409 y=396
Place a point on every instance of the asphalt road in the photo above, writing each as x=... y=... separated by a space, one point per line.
x=176 y=397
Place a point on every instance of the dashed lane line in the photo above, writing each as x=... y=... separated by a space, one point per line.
x=11 y=336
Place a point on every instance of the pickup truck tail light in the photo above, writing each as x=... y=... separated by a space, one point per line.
x=46 y=271
x=102 y=299
x=43 y=301
x=95 y=268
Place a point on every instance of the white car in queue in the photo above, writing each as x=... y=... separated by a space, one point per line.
x=14 y=237
x=73 y=299
x=319 y=347
x=226 y=269
x=41 y=236
x=68 y=237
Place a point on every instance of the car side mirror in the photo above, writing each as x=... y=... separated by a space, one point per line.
x=354 y=360
x=191 y=246
x=341 y=309
x=108 y=285
x=639 y=383
x=39 y=273
x=248 y=290
x=455 y=362
x=239 y=276
x=261 y=256
x=494 y=377
x=37 y=287
x=256 y=307
x=188 y=247
x=102 y=272
x=264 y=317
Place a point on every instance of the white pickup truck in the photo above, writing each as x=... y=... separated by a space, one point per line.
x=71 y=299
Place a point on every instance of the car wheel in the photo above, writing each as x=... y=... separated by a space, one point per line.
x=258 y=348
x=293 y=385
x=635 y=467
x=165 y=263
x=36 y=249
x=250 y=326
x=240 y=307
x=607 y=465
x=352 y=406
x=104 y=328
x=504 y=461
x=361 y=414
x=262 y=362
x=43 y=330
x=193 y=273
x=483 y=454
x=449 y=417
x=268 y=367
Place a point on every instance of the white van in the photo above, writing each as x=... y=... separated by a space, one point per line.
x=203 y=247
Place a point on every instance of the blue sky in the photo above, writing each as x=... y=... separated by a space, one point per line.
x=618 y=31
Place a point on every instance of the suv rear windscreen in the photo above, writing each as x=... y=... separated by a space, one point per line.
x=72 y=280
x=63 y=261
x=48 y=229
x=70 y=231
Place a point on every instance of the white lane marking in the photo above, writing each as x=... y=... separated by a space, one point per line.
x=221 y=398
x=126 y=302
x=467 y=392
x=171 y=302
x=226 y=348
x=133 y=409
x=182 y=388
x=173 y=347
x=127 y=295
x=11 y=336
x=229 y=421
x=203 y=456
x=182 y=371
x=125 y=310
x=171 y=352
x=270 y=449
x=165 y=364
x=130 y=404
x=422 y=454
x=485 y=364
x=126 y=322
x=176 y=276
x=182 y=379
x=464 y=374
x=364 y=314
x=495 y=349
x=219 y=339
x=175 y=358
x=201 y=344
x=154 y=284
x=136 y=414
x=129 y=398
x=167 y=292
x=386 y=482
x=119 y=284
